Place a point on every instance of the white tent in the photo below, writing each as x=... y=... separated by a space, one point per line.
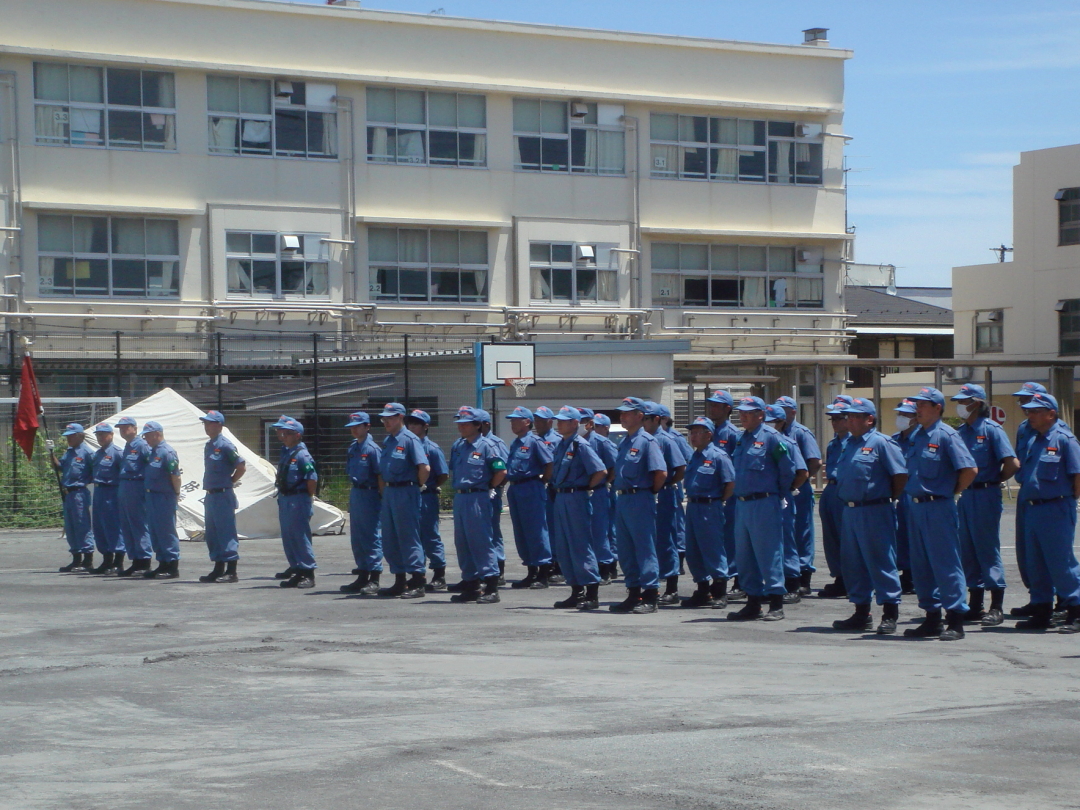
x=256 y=515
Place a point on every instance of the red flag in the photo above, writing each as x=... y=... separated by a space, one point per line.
x=26 y=417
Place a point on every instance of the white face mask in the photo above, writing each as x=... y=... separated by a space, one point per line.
x=903 y=422
x=962 y=410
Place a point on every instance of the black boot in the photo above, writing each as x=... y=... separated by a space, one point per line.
x=633 y=597
x=954 y=626
x=605 y=574
x=1040 y=618
x=804 y=582
x=219 y=569
x=930 y=628
x=372 y=586
x=76 y=562
x=907 y=584
x=530 y=578
x=397 y=589
x=751 y=611
x=85 y=564
x=718 y=592
x=1061 y=611
x=736 y=594
x=137 y=567
x=458 y=587
x=591 y=600
x=502 y=572
x=889 y=615
x=307 y=578
x=859 y=622
x=671 y=591
x=106 y=564
x=647 y=604
x=682 y=562
x=834 y=590
x=574 y=599
x=1072 y=620
x=230 y=573
x=994 y=616
x=556 y=576
x=468 y=592
x=490 y=594
x=294 y=580
x=156 y=572
x=117 y=565
x=1023 y=610
x=701 y=598
x=791 y=585
x=438 y=580
x=776 y=608
x=415 y=587
x=975 y=606
x=543 y=577
x=358 y=586
x=286 y=574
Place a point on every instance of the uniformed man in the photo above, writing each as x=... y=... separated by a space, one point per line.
x=870 y=474
x=496 y=494
x=162 y=482
x=830 y=508
x=418 y=421
x=640 y=472
x=528 y=471
x=475 y=469
x=365 y=506
x=577 y=471
x=132 y=498
x=667 y=424
x=223 y=467
x=297 y=481
x=710 y=480
x=602 y=505
x=543 y=424
x=602 y=429
x=775 y=417
x=1049 y=487
x=980 y=506
x=764 y=474
x=905 y=426
x=939 y=468
x=718 y=407
x=403 y=472
x=667 y=550
x=76 y=474
x=803 y=501
x=105 y=513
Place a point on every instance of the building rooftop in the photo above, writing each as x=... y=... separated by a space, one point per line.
x=869 y=306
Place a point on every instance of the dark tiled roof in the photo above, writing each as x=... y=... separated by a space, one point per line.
x=867 y=307
x=278 y=392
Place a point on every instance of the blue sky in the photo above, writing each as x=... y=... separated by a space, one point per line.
x=941 y=99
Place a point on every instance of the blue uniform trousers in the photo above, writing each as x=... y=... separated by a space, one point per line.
x=831 y=510
x=472 y=536
x=549 y=510
x=804 y=526
x=496 y=524
x=705 y=552
x=680 y=519
x=133 y=531
x=221 y=540
x=667 y=551
x=106 y=519
x=1051 y=564
x=430 y=538
x=934 y=547
x=1021 y=541
x=365 y=531
x=528 y=514
x=400 y=516
x=294 y=515
x=611 y=523
x=78 y=526
x=573 y=538
x=792 y=564
x=759 y=546
x=730 y=505
x=903 y=547
x=601 y=526
x=635 y=532
x=161 y=523
x=980 y=538
x=868 y=554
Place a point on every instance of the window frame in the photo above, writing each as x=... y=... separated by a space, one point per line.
x=1069 y=310
x=278 y=259
x=572 y=125
x=985 y=324
x=575 y=281
x=1068 y=200
x=426 y=129
x=430 y=268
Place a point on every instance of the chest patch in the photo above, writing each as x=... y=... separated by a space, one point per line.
x=867 y=450
x=933 y=448
x=1051 y=451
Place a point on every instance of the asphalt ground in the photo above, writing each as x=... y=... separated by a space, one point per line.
x=120 y=693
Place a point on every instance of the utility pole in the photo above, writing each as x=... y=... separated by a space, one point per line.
x=1001 y=251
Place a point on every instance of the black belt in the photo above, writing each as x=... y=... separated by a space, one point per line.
x=634 y=490
x=756 y=496
x=872 y=502
x=471 y=491
x=401 y=483
x=1041 y=501
x=986 y=485
x=523 y=480
x=567 y=490
x=288 y=492
x=429 y=491
x=926 y=498
x=104 y=484
x=364 y=486
x=704 y=498
x=78 y=486
x=130 y=479
x=218 y=491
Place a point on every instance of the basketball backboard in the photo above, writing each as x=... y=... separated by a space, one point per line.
x=500 y=362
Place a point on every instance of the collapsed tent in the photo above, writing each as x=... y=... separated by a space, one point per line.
x=256 y=515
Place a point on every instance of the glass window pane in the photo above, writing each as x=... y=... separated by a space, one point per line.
x=51 y=81
x=444 y=147
x=725 y=292
x=583 y=150
x=51 y=123
x=158 y=89
x=562 y=253
x=382 y=244
x=808 y=163
x=86 y=126
x=526 y=115
x=753 y=292
x=751 y=259
x=125 y=87
x=54 y=233
x=664 y=127
x=264 y=243
x=695 y=162
x=380 y=105
x=410 y=147
x=781 y=162
x=293 y=278
x=694 y=257
x=540 y=253
x=290 y=129
x=86 y=84
x=666 y=289
x=472 y=111
x=255 y=96
x=724 y=164
x=665 y=160
x=474 y=285
x=562 y=284
x=413 y=246
x=413 y=284
x=442 y=109
x=264 y=277
x=696 y=291
x=724 y=130
x=472 y=149
x=725 y=258
x=54 y=276
x=810 y=292
x=129 y=277
x=255 y=137
x=313 y=246
x=128 y=237
x=92 y=276
x=555 y=154
x=474 y=247
x=586 y=285
x=162 y=237
x=611 y=152
x=159 y=131
x=320 y=95
x=782 y=129
x=527 y=151
x=781 y=260
x=410 y=107
x=751 y=133
x=162 y=278
x=445 y=284
x=322 y=134
x=238 y=243
x=540 y=286
x=553 y=116
x=444 y=247
x=91 y=234
x=608 y=287
x=318 y=279
x=694 y=128
x=380 y=145
x=751 y=165
x=125 y=128
x=782 y=296
x=385 y=284
x=223 y=93
x=665 y=256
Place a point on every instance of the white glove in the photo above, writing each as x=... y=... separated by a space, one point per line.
x=49 y=444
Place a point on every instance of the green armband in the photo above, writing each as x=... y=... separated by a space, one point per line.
x=497 y=464
x=779 y=451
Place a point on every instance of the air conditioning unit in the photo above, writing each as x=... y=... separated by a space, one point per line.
x=578 y=109
x=290 y=245
x=282 y=89
x=802 y=130
x=957 y=374
x=994 y=316
x=803 y=255
x=586 y=252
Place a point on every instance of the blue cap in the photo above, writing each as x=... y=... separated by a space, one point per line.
x=723 y=397
x=632 y=404
x=213 y=416
x=704 y=422
x=1029 y=389
x=1040 y=400
x=482 y=415
x=127 y=420
x=567 y=413
x=786 y=402
x=393 y=409
x=286 y=423
x=663 y=410
x=929 y=394
x=72 y=429
x=860 y=405
x=358 y=418
x=467 y=413
x=653 y=409
x=520 y=412
x=775 y=413
x=150 y=427
x=906 y=406
x=422 y=416
x=838 y=405
x=103 y=427
x=751 y=404
x=601 y=419
x=543 y=412
x=586 y=413
x=970 y=391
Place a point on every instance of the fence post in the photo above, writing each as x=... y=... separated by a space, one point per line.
x=220 y=398
x=315 y=389
x=406 y=402
x=119 y=370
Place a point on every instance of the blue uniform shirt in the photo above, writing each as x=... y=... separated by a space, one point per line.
x=989 y=446
x=1024 y=434
x=401 y=453
x=575 y=463
x=106 y=463
x=499 y=445
x=529 y=456
x=707 y=472
x=604 y=447
x=1049 y=462
x=832 y=454
x=295 y=468
x=804 y=440
x=763 y=463
x=362 y=462
x=680 y=443
x=75 y=466
x=726 y=437
x=638 y=457
x=136 y=457
x=437 y=462
x=673 y=456
x=933 y=457
x=473 y=463
x=902 y=440
x=220 y=459
x=866 y=467
x=163 y=464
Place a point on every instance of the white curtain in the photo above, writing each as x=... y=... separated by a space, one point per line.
x=257 y=132
x=48 y=123
x=223 y=135
x=380 y=142
x=318 y=279
x=780 y=154
x=665 y=160
x=540 y=290
x=329 y=133
x=727 y=164
x=611 y=150
x=410 y=146
x=412 y=246
x=753 y=292
x=479 y=155
x=588 y=160
x=609 y=286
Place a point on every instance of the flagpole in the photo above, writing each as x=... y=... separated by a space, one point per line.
x=45 y=429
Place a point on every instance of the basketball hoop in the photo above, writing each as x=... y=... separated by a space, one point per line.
x=519 y=384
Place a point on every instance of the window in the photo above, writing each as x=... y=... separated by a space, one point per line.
x=410 y=264
x=560 y=136
x=1068 y=216
x=573 y=273
x=740 y=276
x=82 y=105
x=1069 y=326
x=698 y=147
x=108 y=256
x=272 y=117
x=989 y=331
x=426 y=129
x=276 y=265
